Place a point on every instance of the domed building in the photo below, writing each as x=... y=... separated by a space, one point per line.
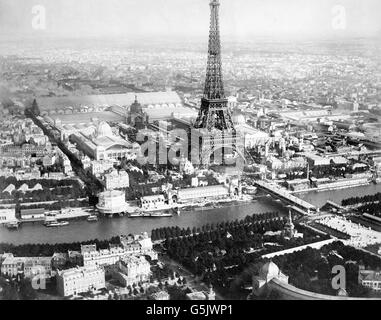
x=112 y=202
x=136 y=107
x=103 y=144
x=268 y=272
x=104 y=130
x=252 y=137
x=136 y=116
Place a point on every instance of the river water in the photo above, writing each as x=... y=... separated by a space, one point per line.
x=106 y=228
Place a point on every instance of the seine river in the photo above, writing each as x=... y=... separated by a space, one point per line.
x=106 y=228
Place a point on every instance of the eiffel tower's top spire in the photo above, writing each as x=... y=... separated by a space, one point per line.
x=214 y=88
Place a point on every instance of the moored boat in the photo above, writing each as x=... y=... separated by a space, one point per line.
x=156 y=214
x=56 y=224
x=160 y=215
x=135 y=214
x=14 y=225
x=92 y=218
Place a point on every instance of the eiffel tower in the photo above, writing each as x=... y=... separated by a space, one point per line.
x=214 y=124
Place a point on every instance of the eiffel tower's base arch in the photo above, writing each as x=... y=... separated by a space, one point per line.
x=220 y=148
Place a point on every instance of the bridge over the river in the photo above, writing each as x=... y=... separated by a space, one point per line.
x=286 y=196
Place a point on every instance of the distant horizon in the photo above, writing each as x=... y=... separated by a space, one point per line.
x=182 y=39
x=239 y=19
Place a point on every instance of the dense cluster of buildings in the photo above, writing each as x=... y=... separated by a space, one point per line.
x=116 y=180
x=132 y=270
x=140 y=245
x=301 y=146
x=167 y=197
x=103 y=144
x=126 y=263
x=305 y=121
x=28 y=267
x=25 y=151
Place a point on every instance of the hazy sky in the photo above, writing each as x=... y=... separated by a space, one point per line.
x=239 y=18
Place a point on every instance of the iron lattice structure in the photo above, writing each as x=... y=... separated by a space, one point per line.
x=214 y=112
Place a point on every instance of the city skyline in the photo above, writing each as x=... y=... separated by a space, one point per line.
x=241 y=19
x=139 y=162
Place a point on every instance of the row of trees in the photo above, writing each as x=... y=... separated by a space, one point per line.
x=47 y=250
x=329 y=171
x=365 y=199
x=371 y=208
x=174 y=232
x=337 y=170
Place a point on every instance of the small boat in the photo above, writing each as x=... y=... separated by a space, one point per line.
x=135 y=214
x=160 y=215
x=92 y=218
x=13 y=225
x=56 y=224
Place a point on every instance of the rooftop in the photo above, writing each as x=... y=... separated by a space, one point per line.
x=79 y=271
x=112 y=193
x=126 y=99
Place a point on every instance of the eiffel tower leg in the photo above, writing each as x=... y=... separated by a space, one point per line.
x=205 y=156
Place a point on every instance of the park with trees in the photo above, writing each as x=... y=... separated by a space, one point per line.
x=370 y=204
x=55 y=194
x=361 y=200
x=219 y=253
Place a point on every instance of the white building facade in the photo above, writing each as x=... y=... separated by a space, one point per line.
x=103 y=258
x=7 y=216
x=116 y=180
x=112 y=202
x=80 y=280
x=133 y=270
